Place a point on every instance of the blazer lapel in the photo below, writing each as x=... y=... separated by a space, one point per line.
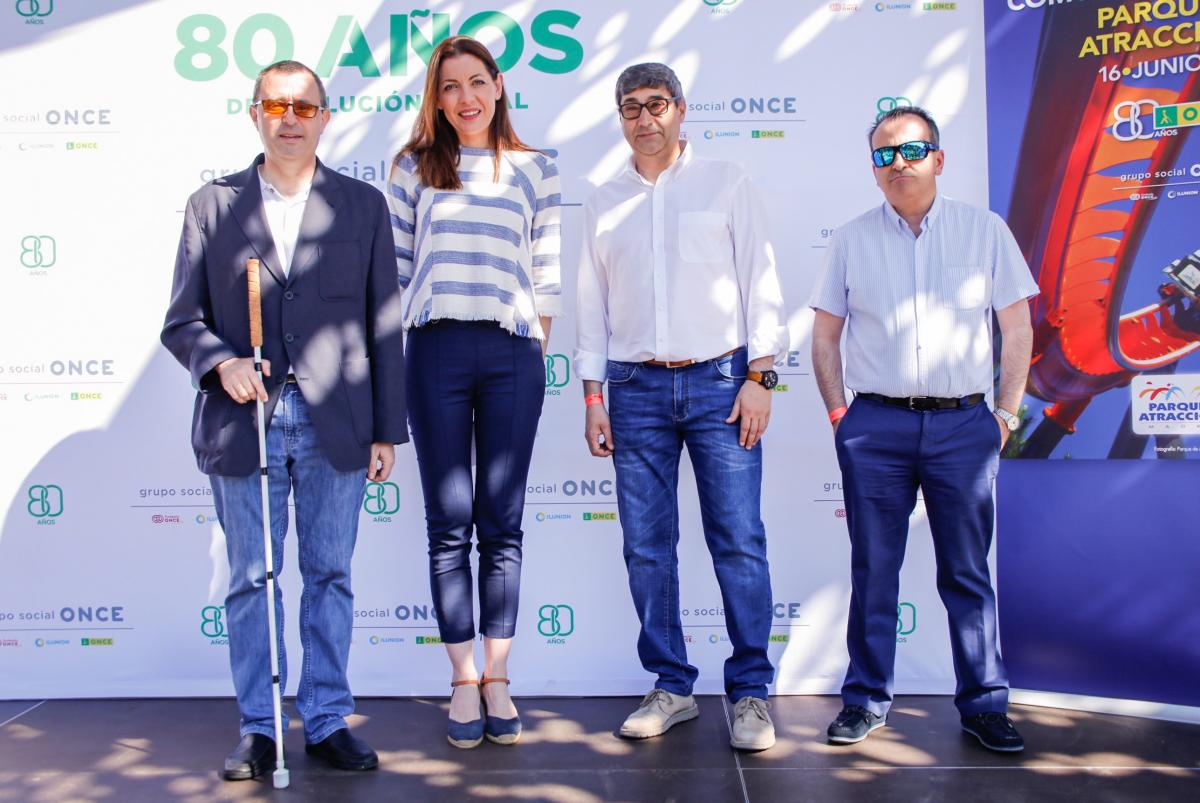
x=247 y=208
x=318 y=223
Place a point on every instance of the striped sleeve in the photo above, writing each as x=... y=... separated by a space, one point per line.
x=546 y=239
x=402 y=208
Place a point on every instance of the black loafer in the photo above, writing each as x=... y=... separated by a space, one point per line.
x=994 y=731
x=344 y=751
x=853 y=724
x=254 y=756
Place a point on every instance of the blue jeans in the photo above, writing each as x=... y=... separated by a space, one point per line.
x=471 y=381
x=654 y=411
x=886 y=453
x=327 y=503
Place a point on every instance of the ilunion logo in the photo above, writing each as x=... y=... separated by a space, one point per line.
x=38 y=251
x=558 y=370
x=381 y=498
x=212 y=621
x=906 y=619
x=887 y=104
x=45 y=501
x=556 y=620
x=35 y=8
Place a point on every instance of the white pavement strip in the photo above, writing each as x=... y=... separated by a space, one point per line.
x=23 y=713
x=737 y=759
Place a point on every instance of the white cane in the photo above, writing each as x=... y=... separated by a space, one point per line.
x=280 y=779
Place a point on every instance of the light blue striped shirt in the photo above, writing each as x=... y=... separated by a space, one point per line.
x=918 y=310
x=489 y=251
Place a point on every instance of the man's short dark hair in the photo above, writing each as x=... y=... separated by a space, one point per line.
x=288 y=67
x=649 y=75
x=935 y=136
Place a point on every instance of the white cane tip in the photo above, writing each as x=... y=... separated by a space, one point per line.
x=281 y=779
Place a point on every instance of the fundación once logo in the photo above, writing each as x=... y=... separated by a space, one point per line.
x=31 y=9
x=45 y=501
x=38 y=251
x=906 y=621
x=381 y=499
x=556 y=621
x=212 y=622
x=888 y=103
x=558 y=370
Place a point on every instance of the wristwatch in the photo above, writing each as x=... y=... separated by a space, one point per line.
x=1011 y=421
x=768 y=379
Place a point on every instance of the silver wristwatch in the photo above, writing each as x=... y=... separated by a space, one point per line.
x=1011 y=421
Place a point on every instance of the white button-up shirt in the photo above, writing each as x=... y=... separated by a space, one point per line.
x=283 y=218
x=918 y=310
x=678 y=269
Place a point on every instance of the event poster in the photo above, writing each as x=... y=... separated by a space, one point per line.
x=1091 y=112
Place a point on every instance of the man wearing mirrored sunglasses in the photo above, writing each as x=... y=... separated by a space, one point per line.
x=333 y=388
x=914 y=283
x=679 y=310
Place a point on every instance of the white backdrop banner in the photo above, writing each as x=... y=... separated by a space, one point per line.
x=112 y=566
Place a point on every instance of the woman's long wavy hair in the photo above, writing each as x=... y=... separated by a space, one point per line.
x=434 y=142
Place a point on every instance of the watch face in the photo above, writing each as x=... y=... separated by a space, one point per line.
x=769 y=379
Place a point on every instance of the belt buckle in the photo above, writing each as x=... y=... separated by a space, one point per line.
x=677 y=363
x=912 y=403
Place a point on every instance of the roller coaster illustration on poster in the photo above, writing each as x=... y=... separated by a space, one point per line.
x=1081 y=216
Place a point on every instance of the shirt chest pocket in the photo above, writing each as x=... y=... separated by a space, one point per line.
x=705 y=237
x=965 y=287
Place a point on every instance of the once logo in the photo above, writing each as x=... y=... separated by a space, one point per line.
x=381 y=498
x=35 y=8
x=887 y=104
x=906 y=619
x=38 y=251
x=556 y=620
x=558 y=370
x=212 y=621
x=45 y=501
x=1128 y=124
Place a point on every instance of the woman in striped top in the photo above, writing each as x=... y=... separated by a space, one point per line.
x=475 y=215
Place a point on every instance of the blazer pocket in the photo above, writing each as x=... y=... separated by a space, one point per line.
x=340 y=271
x=356 y=383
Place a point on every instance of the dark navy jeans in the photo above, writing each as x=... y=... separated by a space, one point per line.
x=886 y=453
x=473 y=382
x=654 y=412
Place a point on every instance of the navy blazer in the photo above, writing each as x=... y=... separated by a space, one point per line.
x=335 y=321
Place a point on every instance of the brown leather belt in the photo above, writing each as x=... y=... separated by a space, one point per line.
x=686 y=363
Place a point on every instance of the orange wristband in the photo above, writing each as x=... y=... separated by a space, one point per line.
x=836 y=415
x=593 y=398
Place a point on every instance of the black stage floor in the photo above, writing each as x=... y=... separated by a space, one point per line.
x=155 y=750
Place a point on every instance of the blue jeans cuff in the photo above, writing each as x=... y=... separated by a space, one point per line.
x=323 y=733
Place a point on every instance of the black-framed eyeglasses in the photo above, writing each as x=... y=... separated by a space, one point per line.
x=276 y=107
x=631 y=109
x=913 y=151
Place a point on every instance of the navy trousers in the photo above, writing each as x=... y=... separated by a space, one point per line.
x=471 y=381
x=885 y=454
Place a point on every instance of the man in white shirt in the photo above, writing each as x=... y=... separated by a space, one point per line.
x=679 y=310
x=914 y=283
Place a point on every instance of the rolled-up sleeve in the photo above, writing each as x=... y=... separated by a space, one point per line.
x=591 y=305
x=402 y=211
x=546 y=240
x=758 y=278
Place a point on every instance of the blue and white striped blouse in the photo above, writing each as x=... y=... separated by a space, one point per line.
x=486 y=252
